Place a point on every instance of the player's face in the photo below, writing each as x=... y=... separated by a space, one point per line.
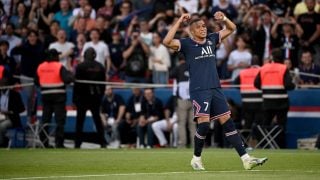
x=199 y=30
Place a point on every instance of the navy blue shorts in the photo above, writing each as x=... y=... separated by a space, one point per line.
x=211 y=103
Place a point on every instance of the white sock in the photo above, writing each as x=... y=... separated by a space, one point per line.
x=245 y=157
x=196 y=157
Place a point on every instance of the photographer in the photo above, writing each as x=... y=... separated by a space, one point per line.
x=135 y=55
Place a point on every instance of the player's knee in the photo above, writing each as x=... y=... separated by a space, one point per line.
x=203 y=128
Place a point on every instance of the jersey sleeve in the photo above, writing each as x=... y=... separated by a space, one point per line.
x=215 y=37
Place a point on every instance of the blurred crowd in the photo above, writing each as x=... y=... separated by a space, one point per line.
x=127 y=34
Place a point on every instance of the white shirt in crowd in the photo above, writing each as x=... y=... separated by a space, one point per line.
x=160 y=53
x=101 y=49
x=190 y=5
x=77 y=11
x=147 y=38
x=62 y=48
x=236 y=57
x=221 y=52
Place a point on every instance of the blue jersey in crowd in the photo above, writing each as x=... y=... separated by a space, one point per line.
x=201 y=60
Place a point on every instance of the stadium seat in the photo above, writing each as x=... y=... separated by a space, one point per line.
x=269 y=135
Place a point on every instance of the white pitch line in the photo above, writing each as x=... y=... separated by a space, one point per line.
x=160 y=173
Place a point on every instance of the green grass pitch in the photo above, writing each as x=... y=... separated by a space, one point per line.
x=134 y=164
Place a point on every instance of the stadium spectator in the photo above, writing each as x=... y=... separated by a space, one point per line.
x=128 y=128
x=52 y=77
x=167 y=125
x=4 y=13
x=159 y=60
x=144 y=9
x=145 y=33
x=288 y=38
x=308 y=66
x=80 y=41
x=11 y=106
x=63 y=16
x=80 y=29
x=42 y=14
x=104 y=26
x=262 y=35
x=288 y=63
x=227 y=8
x=301 y=8
x=189 y=6
x=52 y=36
x=9 y=36
x=166 y=7
x=7 y=60
x=88 y=96
x=240 y=58
x=32 y=54
x=204 y=7
x=107 y=9
x=274 y=88
x=251 y=16
x=80 y=11
x=310 y=23
x=280 y=8
x=157 y=23
x=123 y=19
x=101 y=48
x=118 y=64
x=20 y=19
x=151 y=111
x=184 y=105
x=65 y=49
x=112 y=114
x=89 y=22
x=136 y=54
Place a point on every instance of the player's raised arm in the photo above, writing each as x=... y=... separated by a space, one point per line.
x=230 y=26
x=169 y=40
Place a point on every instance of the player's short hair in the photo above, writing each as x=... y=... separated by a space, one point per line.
x=194 y=21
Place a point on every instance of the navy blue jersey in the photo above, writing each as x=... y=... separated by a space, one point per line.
x=201 y=60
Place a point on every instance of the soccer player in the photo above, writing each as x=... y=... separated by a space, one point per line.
x=209 y=103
